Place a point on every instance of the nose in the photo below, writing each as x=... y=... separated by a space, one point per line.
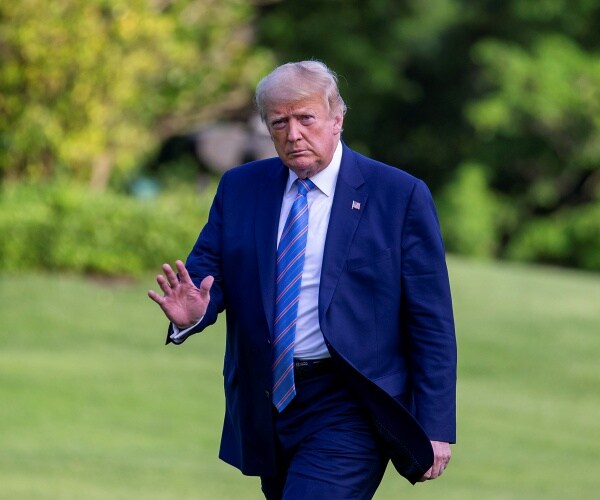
x=293 y=131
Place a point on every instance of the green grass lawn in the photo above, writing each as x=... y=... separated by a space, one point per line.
x=93 y=406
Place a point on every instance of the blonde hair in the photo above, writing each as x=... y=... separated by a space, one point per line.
x=297 y=81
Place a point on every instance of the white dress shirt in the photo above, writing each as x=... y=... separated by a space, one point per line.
x=309 y=338
x=309 y=343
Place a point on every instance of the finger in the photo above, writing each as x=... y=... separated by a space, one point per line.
x=441 y=466
x=155 y=297
x=426 y=476
x=164 y=285
x=184 y=276
x=170 y=274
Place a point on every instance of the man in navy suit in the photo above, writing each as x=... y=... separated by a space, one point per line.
x=361 y=370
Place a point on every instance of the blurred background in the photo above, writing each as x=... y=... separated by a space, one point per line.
x=117 y=119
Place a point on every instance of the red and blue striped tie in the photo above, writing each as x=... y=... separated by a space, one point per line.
x=290 y=262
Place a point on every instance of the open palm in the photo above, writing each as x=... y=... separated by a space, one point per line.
x=183 y=302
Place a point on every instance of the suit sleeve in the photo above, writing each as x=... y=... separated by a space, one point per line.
x=427 y=318
x=205 y=260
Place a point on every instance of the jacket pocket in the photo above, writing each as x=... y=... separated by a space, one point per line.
x=370 y=260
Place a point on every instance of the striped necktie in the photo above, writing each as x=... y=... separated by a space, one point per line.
x=290 y=262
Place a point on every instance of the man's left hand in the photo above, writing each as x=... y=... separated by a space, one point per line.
x=441 y=457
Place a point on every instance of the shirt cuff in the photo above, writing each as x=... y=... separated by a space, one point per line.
x=178 y=335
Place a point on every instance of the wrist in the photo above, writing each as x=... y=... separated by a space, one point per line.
x=187 y=326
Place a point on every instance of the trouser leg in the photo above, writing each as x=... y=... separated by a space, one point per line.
x=328 y=448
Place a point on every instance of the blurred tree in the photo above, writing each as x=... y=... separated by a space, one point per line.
x=499 y=97
x=89 y=85
x=400 y=73
x=538 y=124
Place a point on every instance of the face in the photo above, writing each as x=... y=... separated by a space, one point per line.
x=305 y=134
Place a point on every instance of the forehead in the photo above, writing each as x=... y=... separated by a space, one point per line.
x=313 y=104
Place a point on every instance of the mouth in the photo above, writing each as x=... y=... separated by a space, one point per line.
x=297 y=152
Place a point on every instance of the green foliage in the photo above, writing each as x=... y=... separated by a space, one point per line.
x=65 y=227
x=380 y=48
x=552 y=86
x=551 y=94
x=572 y=238
x=543 y=105
x=470 y=214
x=87 y=88
x=88 y=85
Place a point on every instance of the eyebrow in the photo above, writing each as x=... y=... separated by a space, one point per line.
x=299 y=112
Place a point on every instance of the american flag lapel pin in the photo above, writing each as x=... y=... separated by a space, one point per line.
x=355 y=205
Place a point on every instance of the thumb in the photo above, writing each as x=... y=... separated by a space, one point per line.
x=206 y=285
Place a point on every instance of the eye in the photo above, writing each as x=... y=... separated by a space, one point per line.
x=278 y=124
x=307 y=119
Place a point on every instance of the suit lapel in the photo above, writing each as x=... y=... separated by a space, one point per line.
x=348 y=206
x=268 y=207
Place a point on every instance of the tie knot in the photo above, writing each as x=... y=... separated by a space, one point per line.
x=304 y=186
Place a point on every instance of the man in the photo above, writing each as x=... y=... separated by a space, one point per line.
x=340 y=351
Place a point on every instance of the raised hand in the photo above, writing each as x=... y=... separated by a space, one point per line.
x=183 y=302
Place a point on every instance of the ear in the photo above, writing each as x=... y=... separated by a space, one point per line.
x=338 y=121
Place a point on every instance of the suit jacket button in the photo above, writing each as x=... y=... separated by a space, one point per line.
x=267 y=394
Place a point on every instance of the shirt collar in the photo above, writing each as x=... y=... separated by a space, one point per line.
x=326 y=179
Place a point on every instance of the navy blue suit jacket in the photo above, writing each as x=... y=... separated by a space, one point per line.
x=384 y=306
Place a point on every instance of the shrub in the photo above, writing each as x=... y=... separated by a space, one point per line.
x=62 y=227
x=469 y=213
x=571 y=238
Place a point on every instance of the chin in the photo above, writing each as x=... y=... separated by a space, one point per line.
x=302 y=170
x=306 y=168
x=305 y=173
